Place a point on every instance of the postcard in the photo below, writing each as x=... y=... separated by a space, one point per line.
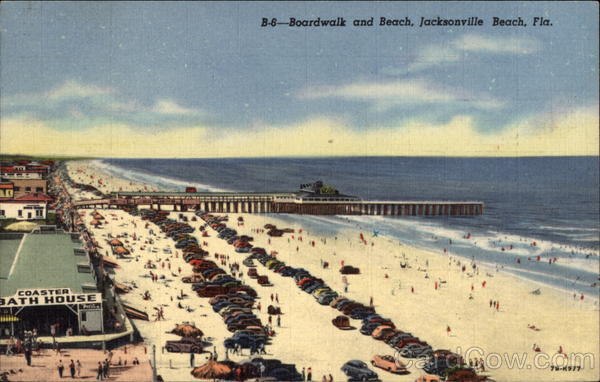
x=299 y=191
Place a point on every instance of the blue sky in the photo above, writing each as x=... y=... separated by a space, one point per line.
x=154 y=68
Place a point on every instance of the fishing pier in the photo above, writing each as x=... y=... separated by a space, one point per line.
x=303 y=202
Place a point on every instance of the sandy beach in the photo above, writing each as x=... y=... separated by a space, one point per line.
x=433 y=292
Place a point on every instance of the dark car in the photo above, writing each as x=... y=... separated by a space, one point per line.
x=243 y=324
x=359 y=314
x=313 y=286
x=349 y=270
x=300 y=274
x=220 y=305
x=341 y=304
x=441 y=360
x=368 y=328
x=288 y=272
x=184 y=345
x=238 y=318
x=326 y=297
x=398 y=337
x=232 y=239
x=357 y=370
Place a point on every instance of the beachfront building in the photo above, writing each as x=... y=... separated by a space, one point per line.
x=46 y=281
x=32 y=206
x=28 y=186
x=7 y=190
x=19 y=172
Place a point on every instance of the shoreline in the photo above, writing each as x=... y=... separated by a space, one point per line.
x=580 y=289
x=511 y=292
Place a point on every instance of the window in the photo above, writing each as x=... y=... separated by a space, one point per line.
x=39 y=189
x=20 y=213
x=83 y=316
x=27 y=188
x=17 y=188
x=38 y=212
x=2 y=212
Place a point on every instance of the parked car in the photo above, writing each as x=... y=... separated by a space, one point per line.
x=416 y=350
x=349 y=270
x=249 y=263
x=463 y=374
x=195 y=278
x=252 y=273
x=326 y=298
x=263 y=281
x=381 y=331
x=184 y=345
x=368 y=328
x=389 y=363
x=428 y=378
x=357 y=370
x=441 y=360
x=359 y=314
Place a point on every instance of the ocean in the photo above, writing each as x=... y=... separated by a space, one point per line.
x=552 y=201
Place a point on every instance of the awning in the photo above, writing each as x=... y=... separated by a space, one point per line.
x=109 y=262
x=135 y=313
x=121 y=287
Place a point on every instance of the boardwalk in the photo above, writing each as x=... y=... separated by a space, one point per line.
x=290 y=203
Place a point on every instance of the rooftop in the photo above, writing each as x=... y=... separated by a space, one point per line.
x=42 y=260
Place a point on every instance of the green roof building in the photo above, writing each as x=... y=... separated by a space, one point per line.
x=46 y=279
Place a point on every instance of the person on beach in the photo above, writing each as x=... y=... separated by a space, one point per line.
x=303 y=374
x=60 y=368
x=309 y=374
x=448 y=330
x=100 y=375
x=72 y=369
x=192 y=357
x=78 y=368
x=278 y=321
x=105 y=368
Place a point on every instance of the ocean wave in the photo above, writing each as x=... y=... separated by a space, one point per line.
x=161 y=182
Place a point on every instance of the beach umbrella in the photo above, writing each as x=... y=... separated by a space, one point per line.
x=116 y=242
x=211 y=370
x=121 y=250
x=187 y=330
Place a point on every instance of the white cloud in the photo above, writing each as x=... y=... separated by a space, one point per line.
x=97 y=101
x=167 y=106
x=436 y=54
x=496 y=44
x=572 y=132
x=401 y=92
x=74 y=90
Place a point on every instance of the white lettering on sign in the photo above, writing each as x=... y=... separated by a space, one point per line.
x=54 y=296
